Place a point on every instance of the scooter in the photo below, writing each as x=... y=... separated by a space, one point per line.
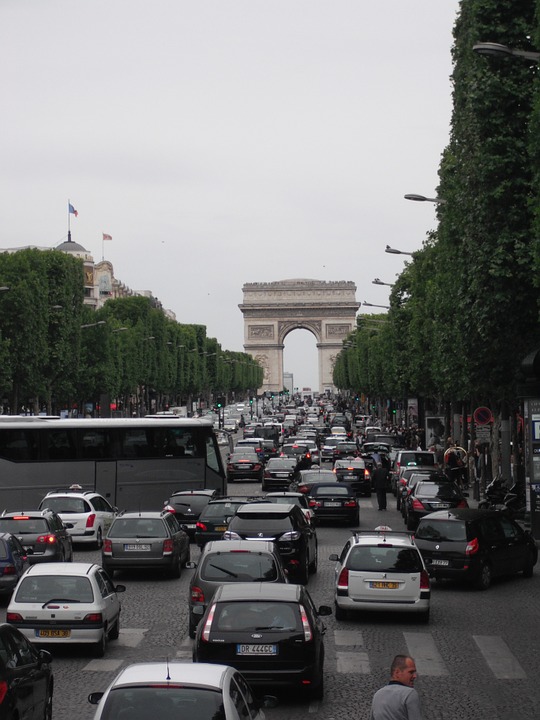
x=495 y=495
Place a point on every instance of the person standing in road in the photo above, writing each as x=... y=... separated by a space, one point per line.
x=380 y=480
x=398 y=700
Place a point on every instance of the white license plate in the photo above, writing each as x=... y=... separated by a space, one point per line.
x=443 y=506
x=349 y=477
x=332 y=504
x=256 y=649
x=440 y=562
x=282 y=474
x=191 y=526
x=135 y=548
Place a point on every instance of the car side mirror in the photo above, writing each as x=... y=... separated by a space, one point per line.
x=191 y=565
x=44 y=656
x=95 y=697
x=269 y=701
x=324 y=610
x=115 y=509
x=120 y=588
x=334 y=557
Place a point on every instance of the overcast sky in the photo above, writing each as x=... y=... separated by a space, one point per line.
x=222 y=142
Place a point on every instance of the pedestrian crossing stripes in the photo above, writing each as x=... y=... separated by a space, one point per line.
x=498 y=657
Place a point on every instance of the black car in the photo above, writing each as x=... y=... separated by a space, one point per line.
x=299 y=451
x=345 y=449
x=243 y=465
x=187 y=505
x=334 y=502
x=279 y=473
x=354 y=472
x=307 y=478
x=287 y=526
x=271 y=632
x=144 y=541
x=270 y=449
x=427 y=497
x=13 y=563
x=42 y=534
x=475 y=546
x=215 y=517
x=409 y=478
x=26 y=678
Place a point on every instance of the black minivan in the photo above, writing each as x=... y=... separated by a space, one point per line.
x=474 y=545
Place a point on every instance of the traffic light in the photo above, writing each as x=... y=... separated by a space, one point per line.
x=251 y=400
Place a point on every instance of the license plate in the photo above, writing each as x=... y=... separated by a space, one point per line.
x=282 y=474
x=191 y=526
x=256 y=649
x=53 y=633
x=332 y=504
x=135 y=548
x=440 y=562
x=349 y=477
x=381 y=585
x=443 y=506
x=220 y=528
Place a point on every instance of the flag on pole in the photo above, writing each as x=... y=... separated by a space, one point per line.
x=72 y=210
x=107 y=237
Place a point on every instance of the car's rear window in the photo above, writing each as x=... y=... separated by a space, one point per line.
x=441 y=530
x=260 y=523
x=330 y=490
x=219 y=510
x=251 y=616
x=239 y=567
x=195 y=502
x=66 y=505
x=416 y=458
x=445 y=490
x=138 y=527
x=26 y=526
x=284 y=463
x=44 y=588
x=166 y=701
x=384 y=559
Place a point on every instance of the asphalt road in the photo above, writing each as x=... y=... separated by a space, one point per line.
x=478 y=658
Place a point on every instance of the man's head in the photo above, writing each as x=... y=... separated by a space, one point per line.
x=403 y=670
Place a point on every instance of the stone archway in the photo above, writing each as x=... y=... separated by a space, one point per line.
x=272 y=310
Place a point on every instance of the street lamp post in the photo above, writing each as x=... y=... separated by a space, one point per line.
x=367 y=304
x=378 y=281
x=498 y=50
x=393 y=251
x=423 y=198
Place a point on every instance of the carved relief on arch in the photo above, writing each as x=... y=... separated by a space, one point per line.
x=286 y=326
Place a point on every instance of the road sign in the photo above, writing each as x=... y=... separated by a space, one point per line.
x=482 y=416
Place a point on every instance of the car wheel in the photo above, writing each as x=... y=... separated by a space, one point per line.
x=263 y=486
x=483 y=581
x=340 y=613
x=313 y=564
x=100 y=647
x=176 y=569
x=317 y=692
x=424 y=617
x=99 y=540
x=398 y=503
x=47 y=712
x=303 y=572
x=356 y=520
x=528 y=568
x=115 y=632
x=411 y=523
x=192 y=629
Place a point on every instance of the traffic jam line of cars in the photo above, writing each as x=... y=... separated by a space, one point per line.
x=251 y=616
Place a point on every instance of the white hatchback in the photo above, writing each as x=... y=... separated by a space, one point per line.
x=381 y=570
x=172 y=690
x=58 y=603
x=89 y=515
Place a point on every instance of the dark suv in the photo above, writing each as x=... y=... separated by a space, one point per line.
x=187 y=505
x=143 y=541
x=287 y=527
x=42 y=534
x=474 y=545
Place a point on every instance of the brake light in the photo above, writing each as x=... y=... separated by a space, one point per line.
x=231 y=535
x=302 y=489
x=257 y=466
x=308 y=455
x=90 y=520
x=424 y=580
x=170 y=508
x=9 y=570
x=168 y=546
x=197 y=595
x=349 y=503
x=417 y=505
x=473 y=546
x=343 y=579
x=308 y=635
x=201 y=526
x=463 y=504
x=367 y=474
x=93 y=618
x=107 y=547
x=229 y=466
x=21 y=517
x=3 y=690
x=12 y=617
x=208 y=624
x=314 y=504
x=48 y=539
x=290 y=536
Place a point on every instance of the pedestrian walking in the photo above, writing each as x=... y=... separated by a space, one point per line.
x=380 y=481
x=398 y=700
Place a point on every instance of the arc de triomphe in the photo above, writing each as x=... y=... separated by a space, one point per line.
x=272 y=310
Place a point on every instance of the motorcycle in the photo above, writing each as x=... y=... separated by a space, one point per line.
x=494 y=495
x=499 y=497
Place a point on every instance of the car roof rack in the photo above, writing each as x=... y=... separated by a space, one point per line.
x=384 y=531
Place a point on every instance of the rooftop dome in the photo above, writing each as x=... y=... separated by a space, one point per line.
x=70 y=246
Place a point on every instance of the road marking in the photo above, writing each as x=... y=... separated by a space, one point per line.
x=103 y=665
x=349 y=637
x=499 y=658
x=130 y=637
x=352 y=662
x=426 y=656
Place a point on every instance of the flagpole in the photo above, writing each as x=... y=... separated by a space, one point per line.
x=102 y=247
x=69 y=223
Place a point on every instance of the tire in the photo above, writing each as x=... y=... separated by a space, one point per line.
x=100 y=647
x=398 y=502
x=424 y=617
x=99 y=540
x=303 y=573
x=47 y=713
x=411 y=523
x=313 y=564
x=528 y=568
x=115 y=631
x=340 y=613
x=356 y=520
x=263 y=486
x=192 y=629
x=176 y=569
x=317 y=692
x=483 y=581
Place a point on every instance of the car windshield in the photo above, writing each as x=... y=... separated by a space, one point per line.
x=166 y=701
x=441 y=530
x=44 y=588
x=384 y=559
x=138 y=527
x=239 y=567
x=23 y=525
x=66 y=505
x=249 y=615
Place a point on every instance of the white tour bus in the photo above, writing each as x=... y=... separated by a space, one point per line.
x=135 y=464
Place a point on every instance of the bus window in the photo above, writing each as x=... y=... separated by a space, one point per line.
x=18 y=445
x=211 y=455
x=95 y=444
x=61 y=444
